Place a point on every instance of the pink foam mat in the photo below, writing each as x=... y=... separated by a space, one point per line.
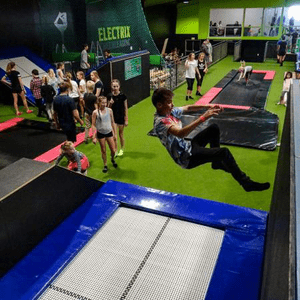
x=269 y=74
x=209 y=96
x=10 y=123
x=53 y=153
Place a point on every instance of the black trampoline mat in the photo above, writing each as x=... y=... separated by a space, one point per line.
x=28 y=142
x=237 y=93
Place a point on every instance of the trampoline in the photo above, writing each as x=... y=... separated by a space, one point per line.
x=30 y=139
x=127 y=242
x=244 y=122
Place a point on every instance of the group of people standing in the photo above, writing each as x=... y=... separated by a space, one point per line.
x=68 y=102
x=105 y=115
x=196 y=69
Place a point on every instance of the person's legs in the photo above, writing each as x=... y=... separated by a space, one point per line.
x=122 y=139
x=199 y=84
x=103 y=153
x=87 y=119
x=22 y=95
x=111 y=145
x=221 y=158
x=15 y=96
x=71 y=134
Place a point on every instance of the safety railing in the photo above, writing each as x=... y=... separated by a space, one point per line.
x=171 y=73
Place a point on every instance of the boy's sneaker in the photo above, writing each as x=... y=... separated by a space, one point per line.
x=198 y=94
x=105 y=169
x=251 y=186
x=190 y=97
x=29 y=111
x=187 y=98
x=19 y=113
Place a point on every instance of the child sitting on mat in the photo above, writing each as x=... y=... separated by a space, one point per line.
x=245 y=71
x=78 y=162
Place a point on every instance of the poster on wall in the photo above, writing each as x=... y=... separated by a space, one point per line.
x=133 y=67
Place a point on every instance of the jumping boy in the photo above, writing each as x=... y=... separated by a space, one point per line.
x=190 y=154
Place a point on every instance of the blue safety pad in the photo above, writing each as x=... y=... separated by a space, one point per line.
x=237 y=273
x=11 y=52
x=239 y=266
x=31 y=276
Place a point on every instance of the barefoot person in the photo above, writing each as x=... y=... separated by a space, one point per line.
x=245 y=72
x=17 y=86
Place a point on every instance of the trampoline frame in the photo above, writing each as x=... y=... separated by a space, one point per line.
x=238 y=270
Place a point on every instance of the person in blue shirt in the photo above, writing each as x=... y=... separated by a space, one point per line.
x=190 y=154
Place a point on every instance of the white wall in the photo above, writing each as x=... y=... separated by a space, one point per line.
x=227 y=15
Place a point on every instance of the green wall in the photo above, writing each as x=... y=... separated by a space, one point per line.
x=193 y=18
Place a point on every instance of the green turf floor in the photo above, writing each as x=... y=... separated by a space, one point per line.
x=147 y=163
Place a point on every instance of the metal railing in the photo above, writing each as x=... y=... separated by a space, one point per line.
x=171 y=74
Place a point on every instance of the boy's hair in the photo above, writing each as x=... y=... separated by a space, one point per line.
x=35 y=72
x=67 y=145
x=64 y=87
x=161 y=95
x=60 y=64
x=84 y=45
x=90 y=85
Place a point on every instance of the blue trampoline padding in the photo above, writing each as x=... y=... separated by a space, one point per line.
x=12 y=52
x=239 y=266
x=28 y=278
x=238 y=270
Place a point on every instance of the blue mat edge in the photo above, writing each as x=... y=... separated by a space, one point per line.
x=239 y=261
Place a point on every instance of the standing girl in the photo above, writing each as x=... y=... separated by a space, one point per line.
x=104 y=130
x=60 y=73
x=190 y=72
x=52 y=80
x=74 y=90
x=98 y=84
x=48 y=94
x=202 y=69
x=17 y=86
x=82 y=90
x=119 y=105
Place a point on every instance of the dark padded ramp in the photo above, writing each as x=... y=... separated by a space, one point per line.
x=18 y=173
x=254 y=128
x=28 y=139
x=32 y=212
x=237 y=93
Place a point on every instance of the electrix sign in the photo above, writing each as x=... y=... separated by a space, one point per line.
x=113 y=33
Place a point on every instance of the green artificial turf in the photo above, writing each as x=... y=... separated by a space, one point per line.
x=147 y=163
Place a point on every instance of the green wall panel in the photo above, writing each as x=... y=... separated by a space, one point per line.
x=193 y=18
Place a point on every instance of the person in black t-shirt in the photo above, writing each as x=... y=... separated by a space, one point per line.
x=65 y=112
x=99 y=90
x=202 y=70
x=281 y=50
x=118 y=104
x=90 y=104
x=48 y=93
x=17 y=86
